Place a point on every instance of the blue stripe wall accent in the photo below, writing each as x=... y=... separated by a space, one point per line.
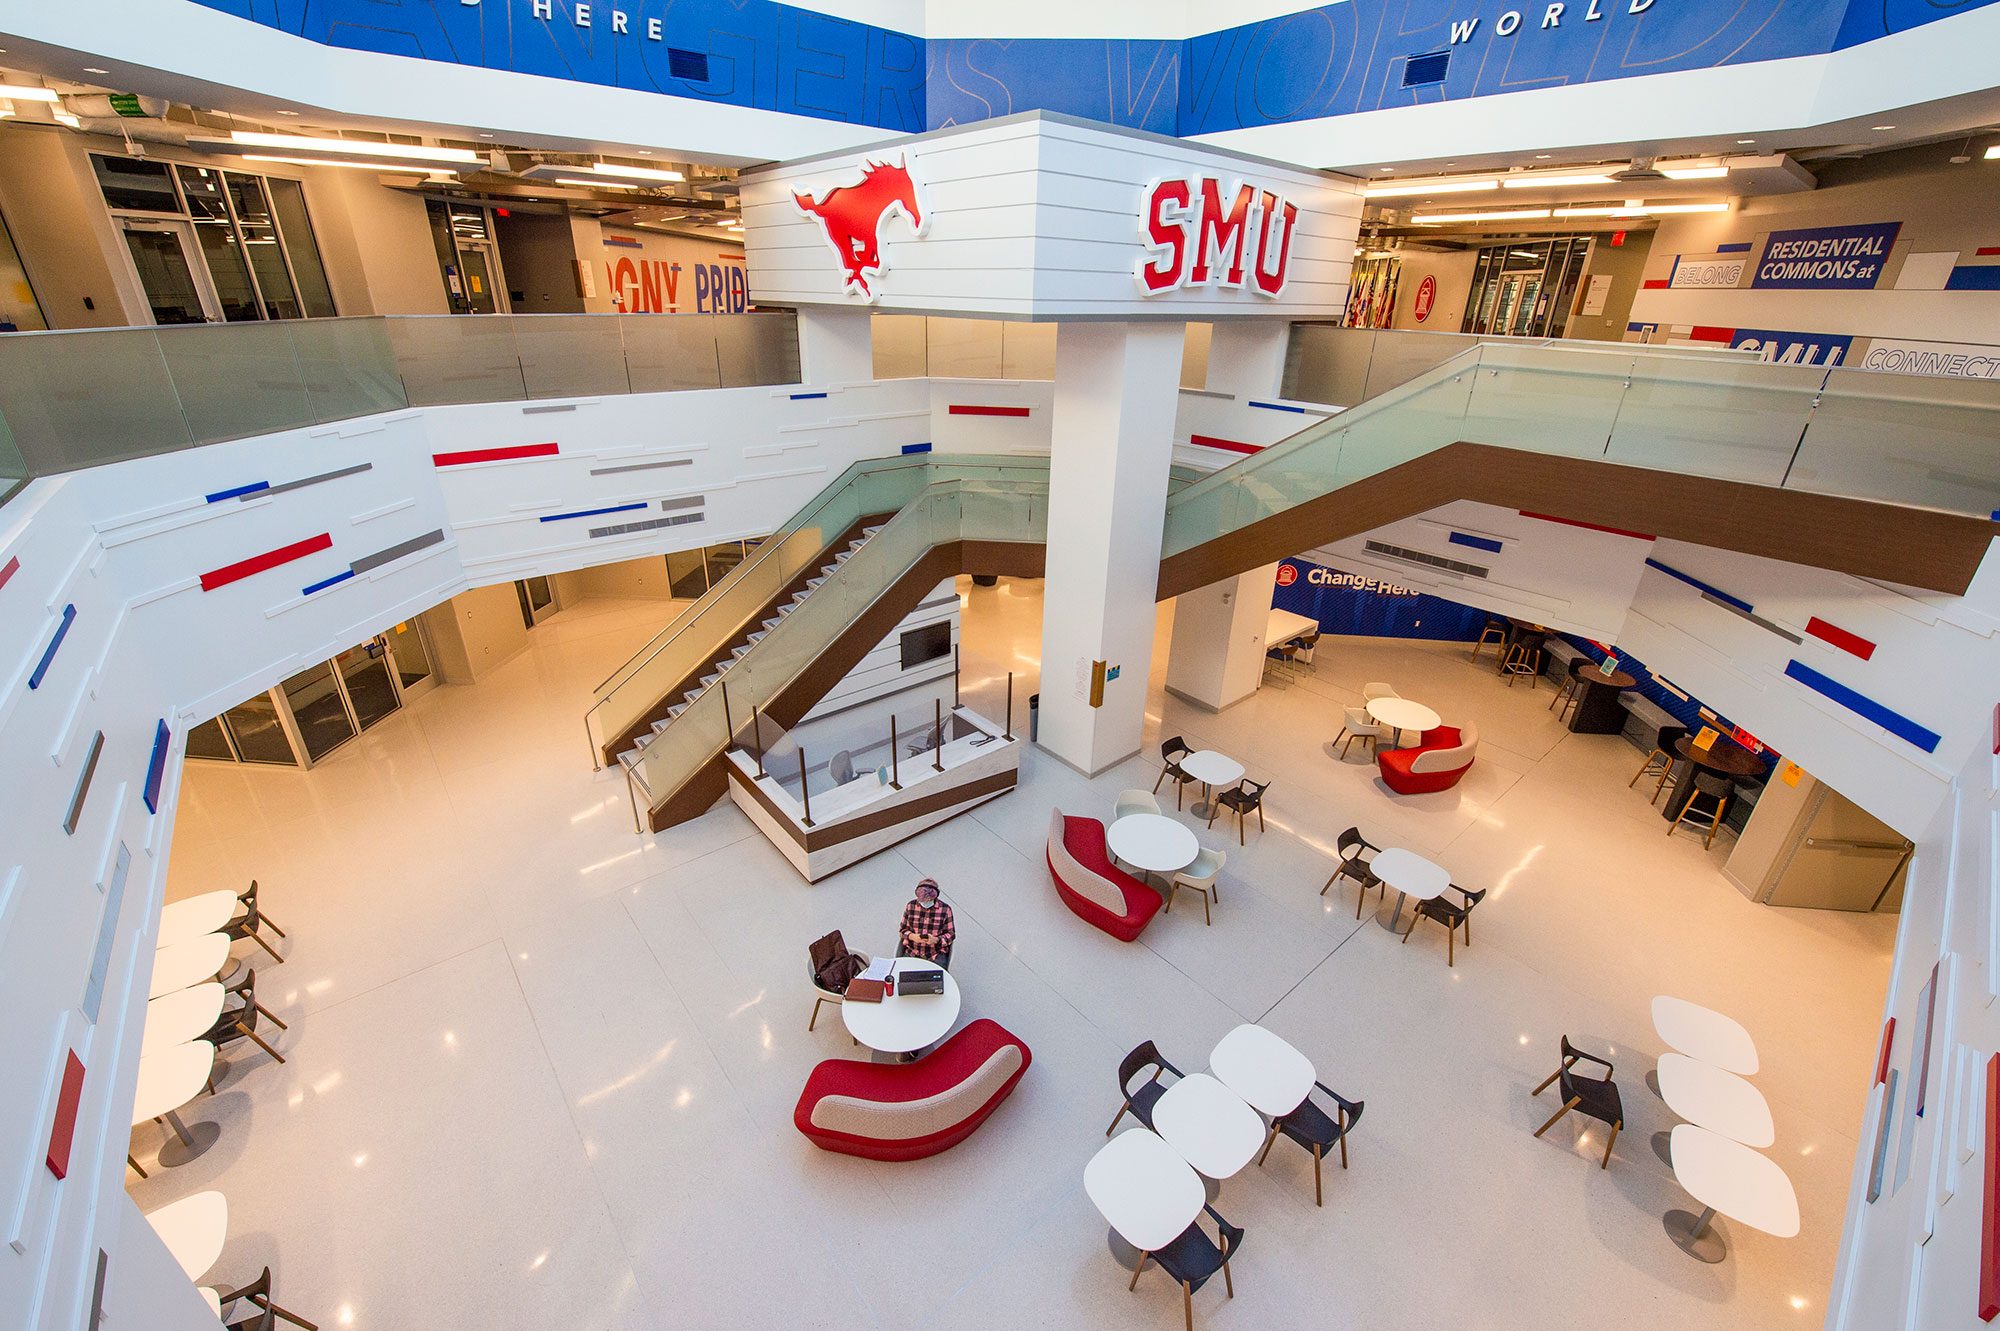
x=156 y=768
x=592 y=512
x=1476 y=542
x=1894 y=722
x=1974 y=277
x=324 y=583
x=239 y=491
x=49 y=654
x=1740 y=247
x=800 y=397
x=1279 y=406
x=916 y=448
x=1699 y=585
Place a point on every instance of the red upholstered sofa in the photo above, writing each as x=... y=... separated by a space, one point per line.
x=1437 y=763
x=1094 y=888
x=906 y=1111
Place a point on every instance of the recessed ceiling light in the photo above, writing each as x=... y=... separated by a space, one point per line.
x=485 y=136
x=635 y=172
x=1694 y=172
x=1505 y=215
x=288 y=113
x=92 y=69
x=1427 y=187
x=1746 y=140
x=1993 y=153
x=1541 y=157
x=645 y=152
x=1879 y=128
x=1388 y=168
x=358 y=147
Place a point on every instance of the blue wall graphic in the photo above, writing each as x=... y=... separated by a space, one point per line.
x=1357 y=606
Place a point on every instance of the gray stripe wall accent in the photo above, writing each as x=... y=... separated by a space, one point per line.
x=544 y=411
x=1761 y=623
x=301 y=483
x=83 y=784
x=642 y=466
x=691 y=501
x=397 y=551
x=648 y=524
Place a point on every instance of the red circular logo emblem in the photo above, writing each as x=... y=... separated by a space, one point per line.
x=1427 y=294
x=1287 y=575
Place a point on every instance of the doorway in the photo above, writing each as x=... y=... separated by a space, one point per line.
x=538 y=600
x=177 y=288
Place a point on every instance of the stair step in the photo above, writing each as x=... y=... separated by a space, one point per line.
x=658 y=726
x=707 y=680
x=772 y=622
x=759 y=634
x=628 y=758
x=672 y=712
x=738 y=654
x=814 y=582
x=866 y=532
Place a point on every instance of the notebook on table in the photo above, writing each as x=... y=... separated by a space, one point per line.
x=865 y=991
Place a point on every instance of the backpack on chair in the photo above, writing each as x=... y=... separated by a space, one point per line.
x=833 y=965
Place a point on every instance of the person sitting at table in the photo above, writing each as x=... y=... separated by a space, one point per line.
x=928 y=930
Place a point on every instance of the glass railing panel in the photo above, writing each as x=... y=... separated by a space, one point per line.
x=13 y=467
x=757 y=349
x=1399 y=357
x=447 y=358
x=1326 y=364
x=570 y=355
x=78 y=399
x=348 y=365
x=1545 y=399
x=1729 y=419
x=666 y=353
x=1909 y=439
x=236 y=380
x=1384 y=432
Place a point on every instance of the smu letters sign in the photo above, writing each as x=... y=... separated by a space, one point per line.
x=1197 y=233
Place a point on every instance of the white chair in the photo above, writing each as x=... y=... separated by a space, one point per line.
x=822 y=994
x=1135 y=801
x=1370 y=692
x=1201 y=877
x=1358 y=727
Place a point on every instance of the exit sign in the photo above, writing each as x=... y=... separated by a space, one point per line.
x=1618 y=238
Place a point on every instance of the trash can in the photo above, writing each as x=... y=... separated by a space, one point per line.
x=1034 y=717
x=986 y=579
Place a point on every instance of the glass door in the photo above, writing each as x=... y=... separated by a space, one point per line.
x=318 y=710
x=257 y=729
x=538 y=600
x=177 y=288
x=411 y=657
x=364 y=673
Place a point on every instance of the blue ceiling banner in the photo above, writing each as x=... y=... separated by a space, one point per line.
x=1826 y=257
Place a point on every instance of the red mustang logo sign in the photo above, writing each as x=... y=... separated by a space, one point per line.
x=851 y=216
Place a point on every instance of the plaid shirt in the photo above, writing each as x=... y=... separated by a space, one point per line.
x=933 y=920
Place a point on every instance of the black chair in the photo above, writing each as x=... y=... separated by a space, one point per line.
x=1715 y=788
x=1245 y=796
x=246 y=924
x=1350 y=844
x=1593 y=1097
x=1572 y=687
x=1171 y=753
x=1193 y=1259
x=1453 y=916
x=258 y=1295
x=1140 y=1103
x=248 y=897
x=240 y=1023
x=1308 y=644
x=1495 y=632
x=1660 y=760
x=1317 y=1131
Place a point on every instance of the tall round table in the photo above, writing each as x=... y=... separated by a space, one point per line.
x=905 y=1022
x=1723 y=756
x=1410 y=874
x=1213 y=770
x=1729 y=1177
x=1400 y=714
x=167 y=1080
x=1153 y=842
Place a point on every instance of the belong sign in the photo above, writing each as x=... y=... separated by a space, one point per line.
x=1827 y=257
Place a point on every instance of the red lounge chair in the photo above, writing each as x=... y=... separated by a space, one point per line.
x=1437 y=763
x=1095 y=889
x=906 y=1111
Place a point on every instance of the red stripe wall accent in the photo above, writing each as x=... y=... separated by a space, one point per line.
x=64 y=1130
x=1657 y=284
x=963 y=409
x=1704 y=333
x=1210 y=441
x=1989 y=1231
x=1840 y=637
x=493 y=454
x=1985 y=250
x=1888 y=1043
x=1589 y=526
x=13 y=567
x=284 y=554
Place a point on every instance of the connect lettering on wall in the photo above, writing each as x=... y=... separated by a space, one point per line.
x=1199 y=233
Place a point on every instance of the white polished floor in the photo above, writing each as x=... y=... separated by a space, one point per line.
x=542 y=1070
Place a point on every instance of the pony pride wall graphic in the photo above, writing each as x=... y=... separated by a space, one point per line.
x=1193 y=238
x=851 y=218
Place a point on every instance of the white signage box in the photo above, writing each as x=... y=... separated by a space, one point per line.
x=1042 y=216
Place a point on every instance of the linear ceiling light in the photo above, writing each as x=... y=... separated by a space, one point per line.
x=1657 y=208
x=1694 y=172
x=1427 y=187
x=592 y=184
x=21 y=92
x=1598 y=212
x=1992 y=154
x=635 y=172
x=1533 y=180
x=1506 y=215
x=416 y=152
x=416 y=168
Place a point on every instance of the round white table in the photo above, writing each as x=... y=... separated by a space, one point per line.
x=178 y=1017
x=1410 y=874
x=907 y=1021
x=1729 y=1177
x=1148 y=1193
x=194 y=916
x=1153 y=842
x=1400 y=714
x=1722 y=1102
x=193 y=1229
x=1709 y=1036
x=167 y=1080
x=1213 y=770
x=1271 y=1076
x=1209 y=1124
x=179 y=965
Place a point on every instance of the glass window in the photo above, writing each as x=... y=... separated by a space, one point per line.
x=129 y=183
x=687 y=574
x=259 y=235
x=219 y=246
x=288 y=202
x=207 y=741
x=318 y=710
x=19 y=310
x=365 y=671
x=160 y=256
x=253 y=724
x=722 y=558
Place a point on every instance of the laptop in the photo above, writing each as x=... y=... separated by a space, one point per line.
x=920 y=982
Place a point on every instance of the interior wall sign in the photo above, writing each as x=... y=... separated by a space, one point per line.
x=1199 y=233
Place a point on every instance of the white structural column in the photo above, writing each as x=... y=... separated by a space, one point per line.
x=1116 y=390
x=836 y=345
x=1217 y=659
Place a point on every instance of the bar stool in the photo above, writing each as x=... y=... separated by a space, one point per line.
x=1305 y=653
x=1712 y=786
x=1523 y=658
x=1660 y=760
x=1571 y=691
x=1495 y=632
